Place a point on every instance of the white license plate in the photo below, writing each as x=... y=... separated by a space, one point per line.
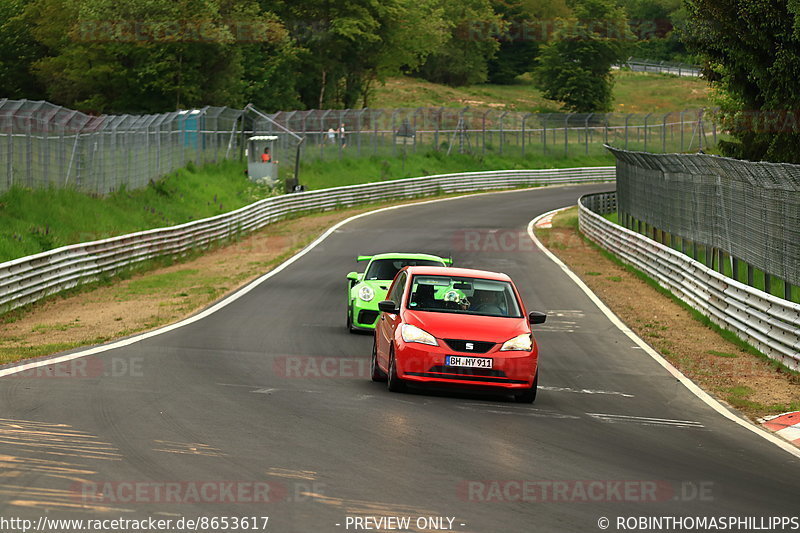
x=475 y=362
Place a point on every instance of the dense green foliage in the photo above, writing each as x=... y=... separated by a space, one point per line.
x=756 y=72
x=657 y=25
x=519 y=43
x=576 y=67
x=118 y=56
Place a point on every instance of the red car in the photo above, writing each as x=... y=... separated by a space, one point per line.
x=456 y=326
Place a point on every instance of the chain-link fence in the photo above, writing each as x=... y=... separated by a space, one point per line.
x=741 y=218
x=43 y=145
x=344 y=133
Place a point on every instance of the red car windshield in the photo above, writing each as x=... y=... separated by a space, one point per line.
x=469 y=296
x=388 y=268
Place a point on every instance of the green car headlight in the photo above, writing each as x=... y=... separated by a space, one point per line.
x=366 y=293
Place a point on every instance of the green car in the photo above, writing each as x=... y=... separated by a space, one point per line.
x=364 y=291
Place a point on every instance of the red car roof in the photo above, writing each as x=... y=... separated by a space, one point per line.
x=457 y=272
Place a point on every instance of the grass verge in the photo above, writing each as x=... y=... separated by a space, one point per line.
x=33 y=221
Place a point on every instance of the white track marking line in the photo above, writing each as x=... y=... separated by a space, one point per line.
x=586 y=391
x=239 y=293
x=645 y=420
x=689 y=384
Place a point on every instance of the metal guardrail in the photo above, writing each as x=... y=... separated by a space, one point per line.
x=663 y=67
x=28 y=279
x=769 y=323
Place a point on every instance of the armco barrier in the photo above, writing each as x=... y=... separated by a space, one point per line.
x=769 y=323
x=28 y=279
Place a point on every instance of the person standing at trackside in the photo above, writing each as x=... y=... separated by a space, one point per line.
x=342 y=138
x=265 y=157
x=331 y=136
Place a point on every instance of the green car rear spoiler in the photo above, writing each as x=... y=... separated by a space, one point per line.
x=447 y=261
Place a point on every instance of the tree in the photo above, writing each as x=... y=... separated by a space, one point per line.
x=654 y=23
x=576 y=67
x=526 y=25
x=112 y=56
x=463 y=59
x=752 y=52
x=347 y=45
x=20 y=51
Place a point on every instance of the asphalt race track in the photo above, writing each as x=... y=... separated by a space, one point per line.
x=269 y=399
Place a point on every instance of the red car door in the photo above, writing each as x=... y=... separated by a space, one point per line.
x=389 y=322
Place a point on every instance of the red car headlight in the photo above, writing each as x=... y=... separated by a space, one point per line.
x=522 y=343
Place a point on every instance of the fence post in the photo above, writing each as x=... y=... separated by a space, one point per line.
x=359 y=125
x=586 y=132
x=502 y=137
x=414 y=137
x=375 y=131
x=324 y=134
x=524 y=118
x=544 y=132
x=566 y=133
x=627 y=118
x=483 y=132
x=391 y=136
x=647 y=116
x=681 y=114
x=10 y=162
x=664 y=134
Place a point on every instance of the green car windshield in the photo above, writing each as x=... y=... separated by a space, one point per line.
x=387 y=268
x=469 y=296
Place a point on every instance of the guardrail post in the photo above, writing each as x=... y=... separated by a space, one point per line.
x=767 y=283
